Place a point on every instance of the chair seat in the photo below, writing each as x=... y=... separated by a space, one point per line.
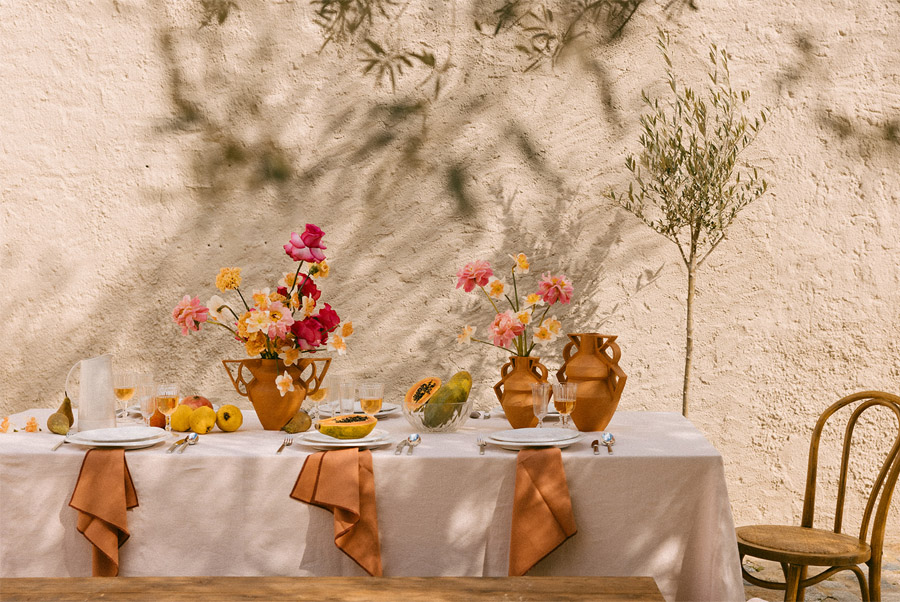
x=801 y=545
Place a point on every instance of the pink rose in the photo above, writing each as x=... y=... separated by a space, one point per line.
x=282 y=320
x=189 y=314
x=474 y=274
x=555 y=288
x=312 y=237
x=328 y=318
x=505 y=328
x=298 y=251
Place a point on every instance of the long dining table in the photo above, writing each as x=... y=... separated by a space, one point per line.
x=657 y=506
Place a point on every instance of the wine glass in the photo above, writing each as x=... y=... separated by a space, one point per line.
x=564 y=400
x=540 y=397
x=371 y=396
x=124 y=384
x=166 y=401
x=326 y=394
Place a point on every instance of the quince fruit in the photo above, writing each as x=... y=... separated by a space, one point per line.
x=229 y=418
x=181 y=418
x=202 y=420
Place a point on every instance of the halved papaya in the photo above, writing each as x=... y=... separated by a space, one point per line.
x=419 y=394
x=348 y=426
x=446 y=404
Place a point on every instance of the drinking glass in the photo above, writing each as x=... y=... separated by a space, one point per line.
x=540 y=397
x=123 y=386
x=347 y=396
x=325 y=393
x=371 y=396
x=166 y=401
x=143 y=391
x=564 y=400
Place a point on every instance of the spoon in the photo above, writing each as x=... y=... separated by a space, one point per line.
x=412 y=441
x=608 y=440
x=191 y=440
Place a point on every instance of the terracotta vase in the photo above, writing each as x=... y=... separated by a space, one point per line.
x=594 y=365
x=514 y=389
x=274 y=409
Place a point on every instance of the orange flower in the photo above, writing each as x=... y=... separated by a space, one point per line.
x=228 y=278
x=32 y=425
x=4 y=426
x=347 y=329
x=256 y=343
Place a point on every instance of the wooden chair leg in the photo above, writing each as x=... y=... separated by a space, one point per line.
x=801 y=591
x=792 y=582
x=874 y=581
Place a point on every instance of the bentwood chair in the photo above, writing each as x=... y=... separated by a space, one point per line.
x=797 y=548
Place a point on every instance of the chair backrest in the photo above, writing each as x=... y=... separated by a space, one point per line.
x=882 y=489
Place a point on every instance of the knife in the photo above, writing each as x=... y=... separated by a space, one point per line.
x=176 y=444
x=596 y=445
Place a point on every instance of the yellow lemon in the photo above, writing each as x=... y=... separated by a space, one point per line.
x=229 y=418
x=181 y=418
x=202 y=420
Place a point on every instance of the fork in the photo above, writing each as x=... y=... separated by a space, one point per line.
x=481 y=444
x=286 y=443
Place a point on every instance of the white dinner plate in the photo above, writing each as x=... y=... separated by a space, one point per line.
x=120 y=434
x=317 y=440
x=561 y=444
x=535 y=435
x=386 y=408
x=551 y=411
x=120 y=444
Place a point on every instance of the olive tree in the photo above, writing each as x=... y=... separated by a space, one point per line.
x=687 y=182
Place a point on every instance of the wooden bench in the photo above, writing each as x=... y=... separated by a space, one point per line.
x=344 y=589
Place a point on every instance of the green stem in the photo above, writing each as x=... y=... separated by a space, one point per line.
x=242 y=298
x=543 y=316
x=515 y=289
x=228 y=328
x=492 y=303
x=492 y=345
x=297 y=273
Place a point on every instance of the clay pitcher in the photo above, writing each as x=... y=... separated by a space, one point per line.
x=514 y=389
x=273 y=409
x=594 y=365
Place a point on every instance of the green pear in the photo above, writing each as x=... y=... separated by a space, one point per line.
x=58 y=423
x=66 y=410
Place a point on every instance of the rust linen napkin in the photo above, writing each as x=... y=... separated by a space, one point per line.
x=343 y=482
x=542 y=510
x=102 y=495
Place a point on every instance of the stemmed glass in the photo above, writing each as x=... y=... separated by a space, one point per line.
x=124 y=384
x=325 y=393
x=166 y=401
x=540 y=397
x=564 y=400
x=371 y=396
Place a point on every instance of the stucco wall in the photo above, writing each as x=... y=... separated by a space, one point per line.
x=143 y=150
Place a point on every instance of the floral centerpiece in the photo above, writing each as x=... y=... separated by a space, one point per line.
x=277 y=327
x=517 y=330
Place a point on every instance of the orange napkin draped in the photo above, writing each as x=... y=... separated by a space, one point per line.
x=343 y=482
x=542 y=510
x=103 y=494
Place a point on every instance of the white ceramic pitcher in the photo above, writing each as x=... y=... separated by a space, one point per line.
x=96 y=400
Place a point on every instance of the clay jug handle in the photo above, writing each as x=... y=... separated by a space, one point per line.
x=240 y=385
x=616 y=380
x=541 y=372
x=616 y=352
x=498 y=388
x=317 y=376
x=567 y=355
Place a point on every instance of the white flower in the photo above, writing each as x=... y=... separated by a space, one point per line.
x=216 y=305
x=285 y=383
x=336 y=342
x=465 y=337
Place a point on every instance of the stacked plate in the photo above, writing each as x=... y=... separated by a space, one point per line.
x=127 y=437
x=386 y=408
x=517 y=439
x=319 y=440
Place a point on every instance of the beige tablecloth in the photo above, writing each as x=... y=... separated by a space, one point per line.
x=658 y=506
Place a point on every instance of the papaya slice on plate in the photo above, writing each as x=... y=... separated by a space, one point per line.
x=348 y=426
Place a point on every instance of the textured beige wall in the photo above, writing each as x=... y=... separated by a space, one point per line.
x=142 y=151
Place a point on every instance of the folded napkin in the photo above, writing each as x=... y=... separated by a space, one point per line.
x=102 y=495
x=342 y=481
x=542 y=510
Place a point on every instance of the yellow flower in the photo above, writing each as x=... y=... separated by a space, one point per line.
x=277 y=297
x=465 y=337
x=522 y=265
x=543 y=335
x=32 y=425
x=309 y=306
x=261 y=298
x=290 y=356
x=228 y=278
x=255 y=344
x=495 y=288
x=347 y=329
x=524 y=316
x=319 y=270
x=295 y=300
x=259 y=321
x=285 y=383
x=337 y=343
x=242 y=325
x=288 y=280
x=533 y=299
x=4 y=426
x=553 y=325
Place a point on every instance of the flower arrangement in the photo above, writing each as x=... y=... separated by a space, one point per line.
x=280 y=324
x=511 y=327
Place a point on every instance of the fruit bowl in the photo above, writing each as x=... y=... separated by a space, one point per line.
x=438 y=418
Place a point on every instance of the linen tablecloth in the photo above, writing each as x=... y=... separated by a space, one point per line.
x=657 y=507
